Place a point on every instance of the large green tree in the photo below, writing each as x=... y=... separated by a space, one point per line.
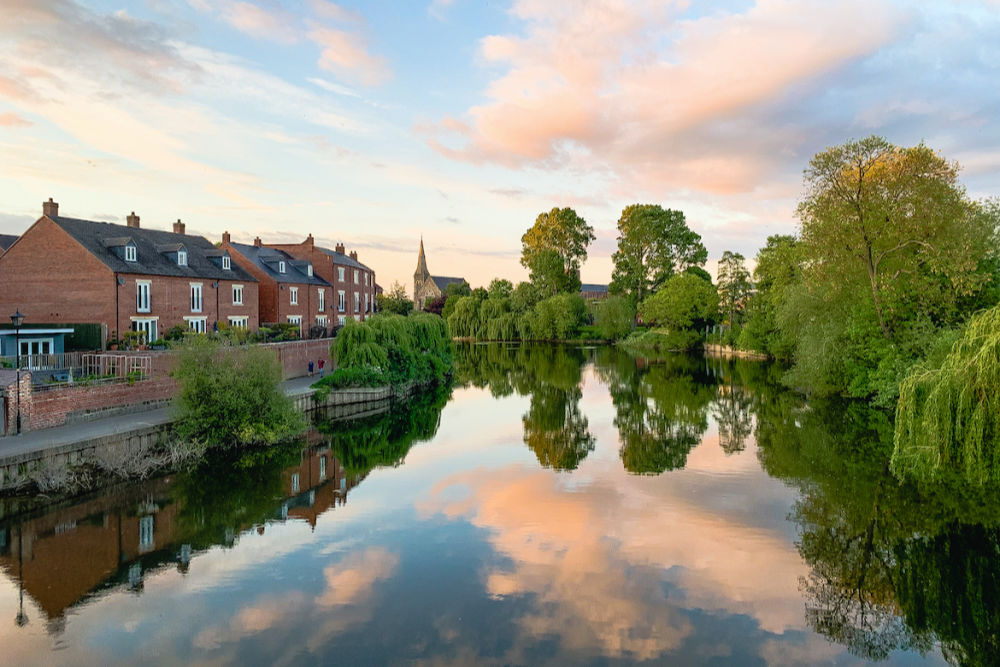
x=894 y=221
x=554 y=248
x=733 y=285
x=653 y=244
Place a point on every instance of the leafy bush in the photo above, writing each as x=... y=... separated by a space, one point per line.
x=231 y=396
x=613 y=317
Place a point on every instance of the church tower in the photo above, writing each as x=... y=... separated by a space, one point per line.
x=420 y=276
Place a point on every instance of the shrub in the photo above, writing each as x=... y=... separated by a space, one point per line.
x=231 y=396
x=614 y=317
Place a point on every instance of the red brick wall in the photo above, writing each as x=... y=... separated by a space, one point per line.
x=296 y=355
x=170 y=301
x=53 y=279
x=50 y=406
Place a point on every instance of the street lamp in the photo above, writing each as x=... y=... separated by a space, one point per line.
x=17 y=319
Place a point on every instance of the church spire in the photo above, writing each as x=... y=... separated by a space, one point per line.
x=422 y=261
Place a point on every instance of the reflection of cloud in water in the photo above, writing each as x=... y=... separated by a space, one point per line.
x=596 y=558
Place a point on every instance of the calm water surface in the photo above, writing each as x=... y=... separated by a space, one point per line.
x=556 y=506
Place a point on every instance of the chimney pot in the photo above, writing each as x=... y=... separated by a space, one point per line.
x=178 y=227
x=257 y=242
x=340 y=248
x=354 y=255
x=50 y=208
x=132 y=220
x=309 y=241
x=226 y=237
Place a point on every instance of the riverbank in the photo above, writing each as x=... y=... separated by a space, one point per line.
x=727 y=352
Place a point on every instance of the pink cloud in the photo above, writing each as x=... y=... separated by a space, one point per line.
x=13 y=120
x=346 y=54
x=664 y=102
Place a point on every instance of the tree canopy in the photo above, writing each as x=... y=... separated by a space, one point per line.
x=653 y=244
x=554 y=248
x=733 y=285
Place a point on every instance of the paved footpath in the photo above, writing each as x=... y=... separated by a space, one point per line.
x=50 y=438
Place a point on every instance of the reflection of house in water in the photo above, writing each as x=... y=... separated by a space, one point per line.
x=67 y=555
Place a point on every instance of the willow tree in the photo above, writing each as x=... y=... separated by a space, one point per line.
x=948 y=418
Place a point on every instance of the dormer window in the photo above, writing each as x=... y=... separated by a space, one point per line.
x=130 y=253
x=182 y=257
x=281 y=267
x=227 y=264
x=309 y=270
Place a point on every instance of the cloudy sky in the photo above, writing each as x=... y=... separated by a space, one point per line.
x=461 y=120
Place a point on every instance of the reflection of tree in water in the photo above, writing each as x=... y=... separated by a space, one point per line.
x=732 y=411
x=555 y=429
x=385 y=439
x=893 y=566
x=661 y=408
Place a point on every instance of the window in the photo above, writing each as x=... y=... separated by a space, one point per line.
x=366 y=280
x=182 y=257
x=281 y=267
x=340 y=273
x=321 y=321
x=309 y=270
x=227 y=263
x=142 y=296
x=243 y=322
x=145 y=533
x=340 y=300
x=297 y=321
x=293 y=296
x=322 y=467
x=341 y=320
x=366 y=302
x=195 y=297
x=357 y=302
x=130 y=253
x=237 y=295
x=295 y=482
x=196 y=324
x=355 y=276
x=32 y=349
x=145 y=325
x=321 y=300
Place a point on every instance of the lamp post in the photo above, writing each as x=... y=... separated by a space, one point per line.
x=17 y=319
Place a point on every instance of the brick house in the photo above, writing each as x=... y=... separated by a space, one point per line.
x=353 y=283
x=290 y=290
x=67 y=270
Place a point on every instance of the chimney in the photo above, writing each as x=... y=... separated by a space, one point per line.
x=340 y=248
x=257 y=242
x=354 y=255
x=310 y=242
x=178 y=227
x=132 y=220
x=50 y=208
x=225 y=238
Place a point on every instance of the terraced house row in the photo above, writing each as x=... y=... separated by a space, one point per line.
x=67 y=271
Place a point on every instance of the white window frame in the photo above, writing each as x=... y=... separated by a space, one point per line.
x=293 y=296
x=197 y=324
x=356 y=279
x=227 y=263
x=340 y=273
x=297 y=321
x=197 y=297
x=237 y=295
x=147 y=325
x=341 y=320
x=357 y=302
x=366 y=280
x=321 y=321
x=143 y=305
x=341 y=301
x=321 y=300
x=131 y=253
x=281 y=267
x=309 y=270
x=366 y=302
x=182 y=257
x=241 y=321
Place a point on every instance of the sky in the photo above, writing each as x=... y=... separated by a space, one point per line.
x=459 y=121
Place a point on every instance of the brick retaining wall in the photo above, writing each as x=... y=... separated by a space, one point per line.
x=54 y=407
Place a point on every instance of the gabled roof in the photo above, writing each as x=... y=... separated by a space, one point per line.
x=341 y=258
x=94 y=236
x=267 y=259
x=6 y=241
x=444 y=281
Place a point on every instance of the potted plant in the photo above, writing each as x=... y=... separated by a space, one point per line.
x=113 y=344
x=158 y=344
x=131 y=339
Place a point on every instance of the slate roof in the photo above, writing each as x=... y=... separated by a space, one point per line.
x=341 y=258
x=593 y=287
x=98 y=237
x=6 y=240
x=266 y=259
x=444 y=281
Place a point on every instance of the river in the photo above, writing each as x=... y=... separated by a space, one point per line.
x=556 y=505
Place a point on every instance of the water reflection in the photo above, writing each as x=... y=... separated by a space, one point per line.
x=572 y=505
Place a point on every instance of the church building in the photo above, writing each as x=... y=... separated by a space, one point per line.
x=426 y=287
